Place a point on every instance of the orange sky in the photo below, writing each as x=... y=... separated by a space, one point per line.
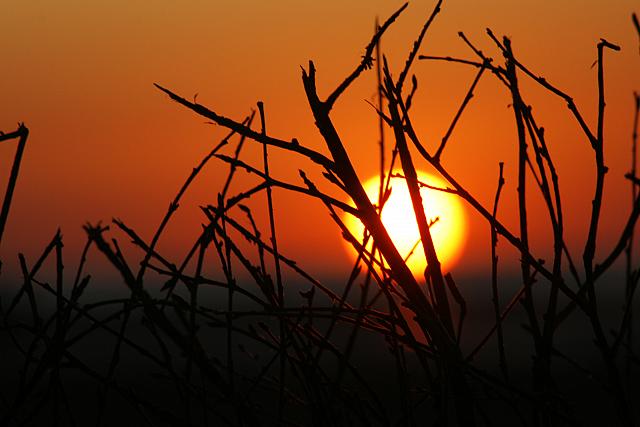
x=105 y=143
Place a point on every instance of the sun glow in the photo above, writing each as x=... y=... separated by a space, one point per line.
x=444 y=212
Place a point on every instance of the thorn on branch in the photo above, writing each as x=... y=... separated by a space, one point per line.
x=632 y=178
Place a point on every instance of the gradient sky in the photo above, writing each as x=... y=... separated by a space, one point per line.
x=105 y=143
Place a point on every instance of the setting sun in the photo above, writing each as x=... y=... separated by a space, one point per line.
x=444 y=211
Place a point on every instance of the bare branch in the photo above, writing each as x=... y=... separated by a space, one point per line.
x=367 y=59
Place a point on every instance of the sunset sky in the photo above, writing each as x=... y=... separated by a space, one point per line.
x=105 y=143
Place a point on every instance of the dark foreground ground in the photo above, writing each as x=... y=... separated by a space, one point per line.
x=139 y=391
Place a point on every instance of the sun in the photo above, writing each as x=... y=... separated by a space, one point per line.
x=444 y=211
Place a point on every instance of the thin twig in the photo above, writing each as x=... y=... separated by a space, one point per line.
x=22 y=133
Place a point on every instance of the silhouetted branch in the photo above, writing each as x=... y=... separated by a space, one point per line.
x=416 y=46
x=466 y=100
x=282 y=184
x=22 y=133
x=367 y=59
x=494 y=276
x=344 y=170
x=544 y=83
x=293 y=146
x=173 y=206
